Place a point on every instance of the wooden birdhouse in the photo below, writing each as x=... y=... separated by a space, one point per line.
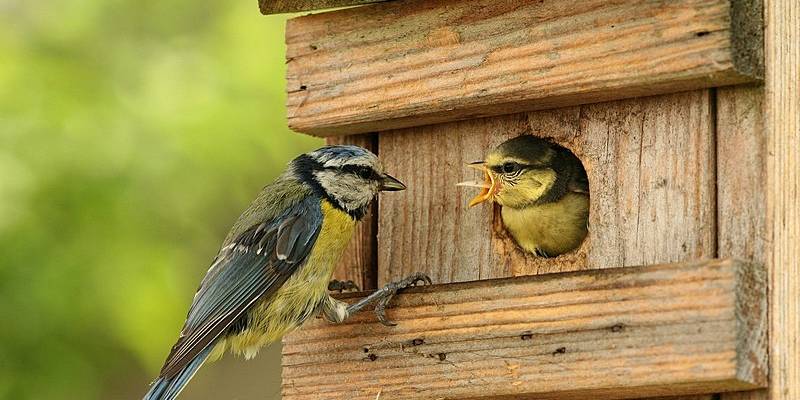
x=685 y=116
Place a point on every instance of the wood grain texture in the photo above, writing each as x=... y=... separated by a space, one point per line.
x=741 y=173
x=742 y=186
x=286 y=6
x=359 y=261
x=766 y=227
x=428 y=227
x=650 y=164
x=419 y=62
x=618 y=333
x=697 y=397
x=782 y=102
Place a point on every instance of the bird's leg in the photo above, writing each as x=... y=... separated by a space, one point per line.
x=341 y=286
x=383 y=295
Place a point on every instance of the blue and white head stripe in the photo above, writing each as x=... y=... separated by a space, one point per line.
x=337 y=156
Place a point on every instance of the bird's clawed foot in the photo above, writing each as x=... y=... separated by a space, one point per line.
x=342 y=286
x=392 y=288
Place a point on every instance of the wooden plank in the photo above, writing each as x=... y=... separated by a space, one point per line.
x=429 y=225
x=782 y=102
x=286 y=6
x=760 y=394
x=741 y=173
x=697 y=397
x=419 y=62
x=650 y=164
x=359 y=262
x=741 y=187
x=618 y=333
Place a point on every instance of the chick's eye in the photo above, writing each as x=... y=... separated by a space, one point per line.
x=510 y=167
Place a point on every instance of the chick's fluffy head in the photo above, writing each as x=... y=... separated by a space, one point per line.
x=524 y=170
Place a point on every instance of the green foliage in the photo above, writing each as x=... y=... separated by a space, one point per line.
x=132 y=133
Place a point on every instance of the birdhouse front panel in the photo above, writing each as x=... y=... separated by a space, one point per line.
x=675 y=157
x=650 y=164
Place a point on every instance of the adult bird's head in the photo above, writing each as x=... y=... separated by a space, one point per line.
x=347 y=176
x=523 y=171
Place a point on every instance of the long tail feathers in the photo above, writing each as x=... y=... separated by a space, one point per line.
x=169 y=388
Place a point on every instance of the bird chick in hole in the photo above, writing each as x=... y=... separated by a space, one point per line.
x=543 y=193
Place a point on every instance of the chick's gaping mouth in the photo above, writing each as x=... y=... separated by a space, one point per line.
x=488 y=186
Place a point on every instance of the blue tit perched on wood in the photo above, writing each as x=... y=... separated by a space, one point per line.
x=273 y=269
x=543 y=193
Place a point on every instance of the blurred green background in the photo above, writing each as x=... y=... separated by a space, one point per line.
x=132 y=134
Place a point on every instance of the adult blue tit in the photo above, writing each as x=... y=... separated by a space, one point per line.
x=543 y=193
x=273 y=269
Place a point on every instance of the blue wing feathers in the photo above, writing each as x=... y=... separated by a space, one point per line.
x=240 y=276
x=169 y=388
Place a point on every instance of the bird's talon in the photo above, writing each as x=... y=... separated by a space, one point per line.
x=380 y=308
x=380 y=311
x=392 y=288
x=412 y=280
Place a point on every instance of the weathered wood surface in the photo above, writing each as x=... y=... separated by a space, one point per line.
x=765 y=225
x=782 y=102
x=697 y=397
x=285 y=6
x=428 y=227
x=742 y=186
x=650 y=164
x=419 y=62
x=618 y=333
x=741 y=173
x=359 y=262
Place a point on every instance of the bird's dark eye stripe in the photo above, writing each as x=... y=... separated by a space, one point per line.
x=360 y=170
x=500 y=168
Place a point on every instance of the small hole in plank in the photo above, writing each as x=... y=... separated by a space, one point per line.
x=702 y=33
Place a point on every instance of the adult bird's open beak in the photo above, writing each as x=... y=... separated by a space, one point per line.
x=389 y=183
x=488 y=186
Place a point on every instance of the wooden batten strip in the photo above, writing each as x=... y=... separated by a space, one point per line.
x=782 y=123
x=418 y=62
x=742 y=186
x=672 y=329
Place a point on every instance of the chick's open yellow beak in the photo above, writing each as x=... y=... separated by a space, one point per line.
x=488 y=186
